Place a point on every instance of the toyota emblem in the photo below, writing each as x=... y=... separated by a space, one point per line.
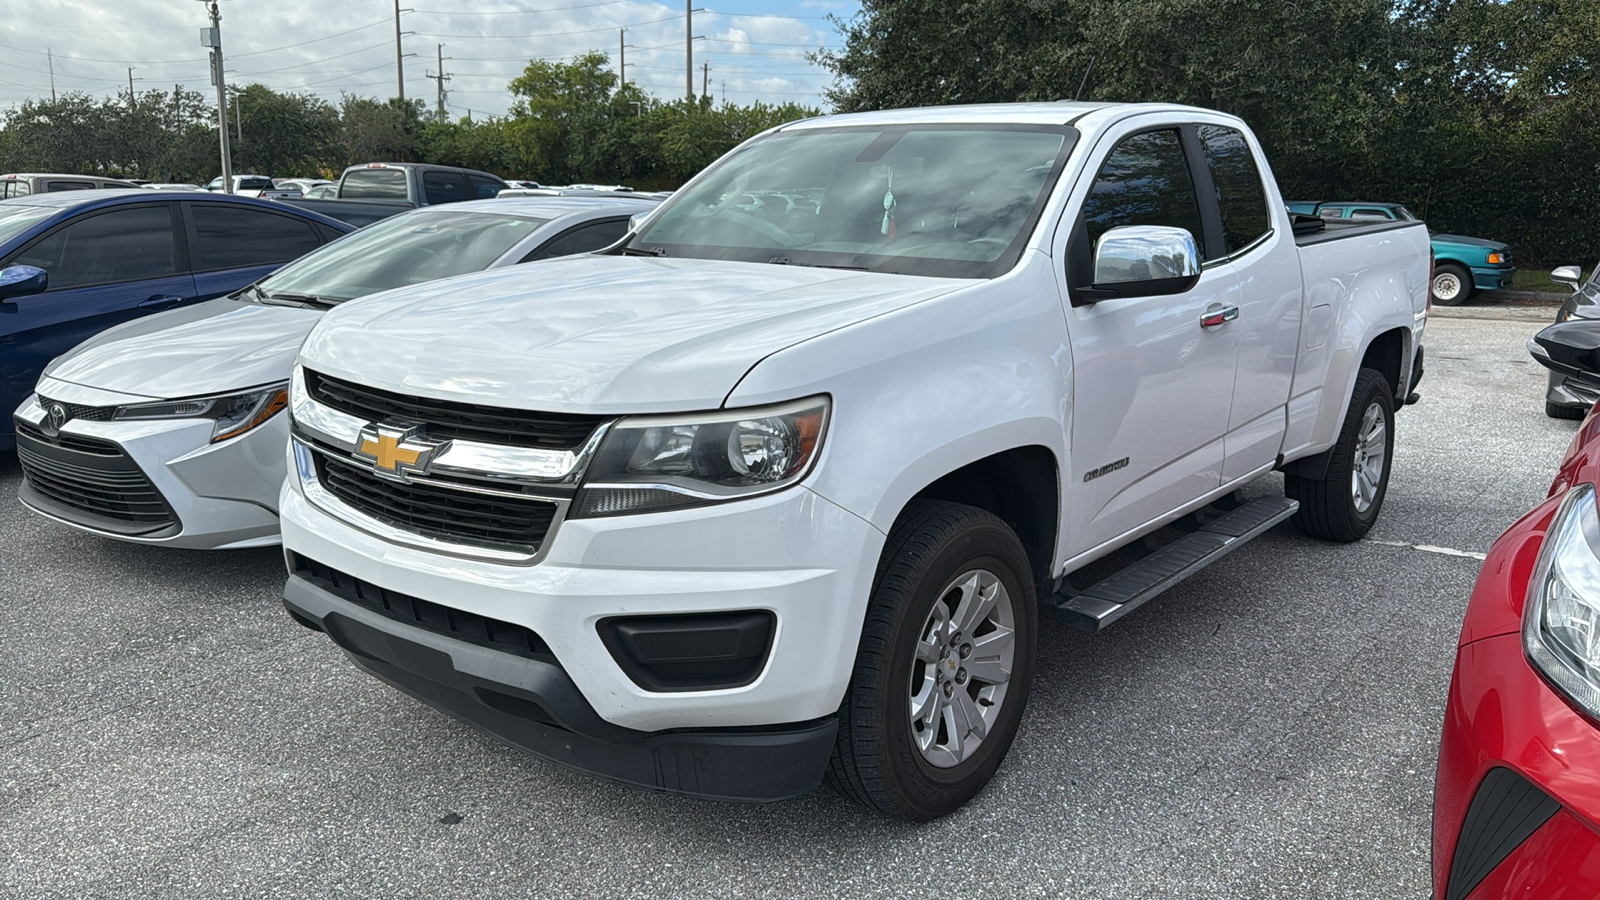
x=55 y=416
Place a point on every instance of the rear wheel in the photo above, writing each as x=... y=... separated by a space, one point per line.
x=1343 y=504
x=1452 y=284
x=943 y=669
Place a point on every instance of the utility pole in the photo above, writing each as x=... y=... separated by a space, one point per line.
x=441 y=78
x=622 y=57
x=131 y=104
x=399 y=67
x=238 y=115
x=52 y=61
x=705 y=80
x=688 y=48
x=212 y=37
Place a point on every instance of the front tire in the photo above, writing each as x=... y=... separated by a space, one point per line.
x=1343 y=504
x=1452 y=285
x=946 y=657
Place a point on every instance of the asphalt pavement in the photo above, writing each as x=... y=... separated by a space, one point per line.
x=1267 y=729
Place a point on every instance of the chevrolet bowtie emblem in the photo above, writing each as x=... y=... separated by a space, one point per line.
x=396 y=452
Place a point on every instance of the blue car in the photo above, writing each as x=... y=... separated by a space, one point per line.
x=73 y=264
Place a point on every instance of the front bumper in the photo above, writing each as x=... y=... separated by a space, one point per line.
x=1517 y=796
x=533 y=704
x=1570 y=392
x=793 y=554
x=221 y=496
x=1492 y=278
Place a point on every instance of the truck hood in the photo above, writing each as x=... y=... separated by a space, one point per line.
x=598 y=334
x=1469 y=241
x=207 y=348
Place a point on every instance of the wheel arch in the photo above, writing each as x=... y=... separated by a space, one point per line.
x=1389 y=352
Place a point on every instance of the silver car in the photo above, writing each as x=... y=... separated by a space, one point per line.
x=170 y=429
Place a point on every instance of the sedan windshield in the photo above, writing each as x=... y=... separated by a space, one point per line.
x=15 y=218
x=920 y=199
x=406 y=249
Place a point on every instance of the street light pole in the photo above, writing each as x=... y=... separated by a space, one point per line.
x=212 y=37
x=399 y=67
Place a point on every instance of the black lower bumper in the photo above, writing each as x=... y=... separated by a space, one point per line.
x=534 y=705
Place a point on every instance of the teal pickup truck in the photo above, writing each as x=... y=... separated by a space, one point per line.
x=1462 y=266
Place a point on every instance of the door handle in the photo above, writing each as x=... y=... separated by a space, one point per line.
x=161 y=301
x=1215 y=317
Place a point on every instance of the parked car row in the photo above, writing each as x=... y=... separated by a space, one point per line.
x=770 y=482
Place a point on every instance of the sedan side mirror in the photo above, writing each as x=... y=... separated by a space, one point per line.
x=1571 y=276
x=20 y=281
x=1142 y=261
x=1569 y=348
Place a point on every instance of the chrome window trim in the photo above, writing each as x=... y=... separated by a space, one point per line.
x=324 y=500
x=1242 y=251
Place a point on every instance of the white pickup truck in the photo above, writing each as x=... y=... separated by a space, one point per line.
x=775 y=488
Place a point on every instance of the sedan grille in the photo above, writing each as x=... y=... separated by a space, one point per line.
x=101 y=489
x=495 y=521
x=446 y=419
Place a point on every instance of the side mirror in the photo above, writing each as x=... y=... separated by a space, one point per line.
x=20 y=281
x=1571 y=276
x=1569 y=348
x=1142 y=261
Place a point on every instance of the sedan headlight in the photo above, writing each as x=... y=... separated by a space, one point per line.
x=233 y=414
x=1561 y=625
x=656 y=463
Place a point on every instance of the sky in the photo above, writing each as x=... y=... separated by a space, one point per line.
x=756 y=50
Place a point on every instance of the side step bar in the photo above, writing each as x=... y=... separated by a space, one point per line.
x=1098 y=606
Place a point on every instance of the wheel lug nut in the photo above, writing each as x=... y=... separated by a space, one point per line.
x=949 y=689
x=966 y=650
x=961 y=676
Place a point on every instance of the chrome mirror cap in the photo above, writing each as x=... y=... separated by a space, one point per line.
x=1570 y=276
x=1145 y=253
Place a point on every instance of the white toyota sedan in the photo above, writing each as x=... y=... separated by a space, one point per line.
x=170 y=429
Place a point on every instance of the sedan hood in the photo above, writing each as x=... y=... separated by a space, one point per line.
x=598 y=334
x=208 y=348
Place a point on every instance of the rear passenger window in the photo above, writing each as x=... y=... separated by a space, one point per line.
x=122 y=245
x=583 y=239
x=484 y=188
x=1144 y=181
x=444 y=187
x=1240 y=195
x=50 y=186
x=236 y=237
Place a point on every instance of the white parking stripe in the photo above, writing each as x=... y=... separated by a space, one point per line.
x=1429 y=548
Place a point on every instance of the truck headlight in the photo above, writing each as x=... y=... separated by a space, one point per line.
x=656 y=463
x=1496 y=259
x=1561 y=624
x=233 y=414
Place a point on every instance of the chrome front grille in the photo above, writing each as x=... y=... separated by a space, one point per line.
x=451 y=420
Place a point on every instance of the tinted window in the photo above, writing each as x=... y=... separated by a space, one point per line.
x=1144 y=182
x=1370 y=213
x=13 y=189
x=253 y=184
x=1240 y=195
x=374 y=184
x=484 y=188
x=584 y=239
x=69 y=185
x=234 y=237
x=444 y=187
x=121 y=245
x=1333 y=212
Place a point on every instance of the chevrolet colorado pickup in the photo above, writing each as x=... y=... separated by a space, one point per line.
x=775 y=488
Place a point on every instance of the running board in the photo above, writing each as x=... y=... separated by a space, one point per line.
x=1095 y=607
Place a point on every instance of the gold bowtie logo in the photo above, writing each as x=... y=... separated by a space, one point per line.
x=395 y=452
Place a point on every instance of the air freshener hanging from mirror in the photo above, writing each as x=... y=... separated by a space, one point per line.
x=888 y=207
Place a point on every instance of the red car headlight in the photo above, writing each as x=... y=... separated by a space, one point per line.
x=1561 y=620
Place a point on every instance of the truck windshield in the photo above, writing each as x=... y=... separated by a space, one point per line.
x=406 y=249
x=942 y=200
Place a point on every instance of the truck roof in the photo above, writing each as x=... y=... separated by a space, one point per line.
x=1058 y=112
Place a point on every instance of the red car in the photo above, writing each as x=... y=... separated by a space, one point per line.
x=1516 y=808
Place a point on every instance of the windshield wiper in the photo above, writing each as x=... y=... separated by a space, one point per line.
x=786 y=261
x=308 y=301
x=643 y=251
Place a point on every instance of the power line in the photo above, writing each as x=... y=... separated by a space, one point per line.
x=382 y=21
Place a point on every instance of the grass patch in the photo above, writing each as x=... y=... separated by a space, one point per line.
x=1535 y=280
